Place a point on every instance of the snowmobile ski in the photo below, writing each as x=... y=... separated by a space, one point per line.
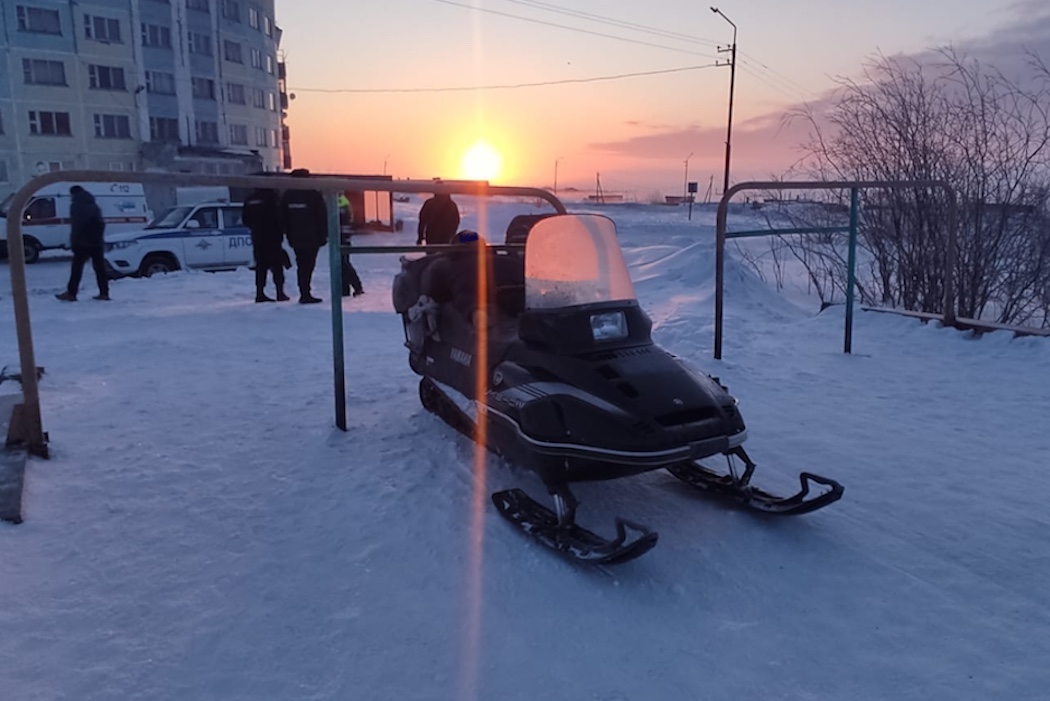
x=565 y=536
x=740 y=490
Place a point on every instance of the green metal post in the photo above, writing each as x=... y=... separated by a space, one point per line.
x=851 y=265
x=335 y=265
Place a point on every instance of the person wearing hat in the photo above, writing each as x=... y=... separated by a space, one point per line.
x=438 y=220
x=305 y=219
x=87 y=239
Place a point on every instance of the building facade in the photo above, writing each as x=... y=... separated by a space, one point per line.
x=191 y=86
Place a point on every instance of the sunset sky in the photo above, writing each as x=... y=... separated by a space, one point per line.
x=636 y=131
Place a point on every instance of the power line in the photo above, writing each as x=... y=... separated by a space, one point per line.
x=572 y=29
x=602 y=19
x=761 y=71
x=512 y=86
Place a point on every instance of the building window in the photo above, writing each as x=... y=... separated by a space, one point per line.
x=267 y=26
x=156 y=35
x=272 y=101
x=49 y=123
x=199 y=43
x=41 y=72
x=256 y=58
x=106 y=78
x=271 y=65
x=273 y=138
x=260 y=136
x=207 y=132
x=160 y=83
x=203 y=88
x=259 y=98
x=112 y=126
x=163 y=129
x=38 y=19
x=231 y=10
x=231 y=51
x=253 y=16
x=3 y=172
x=202 y=5
x=102 y=29
x=238 y=135
x=1 y=122
x=235 y=94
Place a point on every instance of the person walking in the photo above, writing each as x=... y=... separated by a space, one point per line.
x=351 y=281
x=87 y=239
x=305 y=219
x=262 y=215
x=438 y=220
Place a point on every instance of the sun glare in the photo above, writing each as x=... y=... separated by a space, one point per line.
x=480 y=162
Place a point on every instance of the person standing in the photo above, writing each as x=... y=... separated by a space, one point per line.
x=87 y=239
x=351 y=281
x=262 y=216
x=305 y=219
x=438 y=220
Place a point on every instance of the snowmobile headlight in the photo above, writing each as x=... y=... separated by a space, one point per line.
x=608 y=326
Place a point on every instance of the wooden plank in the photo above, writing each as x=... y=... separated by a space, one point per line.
x=975 y=325
x=12 y=465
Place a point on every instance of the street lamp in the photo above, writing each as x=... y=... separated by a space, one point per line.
x=556 y=173
x=732 y=82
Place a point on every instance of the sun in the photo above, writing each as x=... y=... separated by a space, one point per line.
x=480 y=162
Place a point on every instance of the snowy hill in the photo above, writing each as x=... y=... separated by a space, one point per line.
x=203 y=532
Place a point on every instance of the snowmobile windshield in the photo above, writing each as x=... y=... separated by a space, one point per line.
x=574 y=259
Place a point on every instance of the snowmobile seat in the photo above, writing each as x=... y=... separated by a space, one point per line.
x=520 y=226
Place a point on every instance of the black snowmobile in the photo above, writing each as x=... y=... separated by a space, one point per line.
x=551 y=349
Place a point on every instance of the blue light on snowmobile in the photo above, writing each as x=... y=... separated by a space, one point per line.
x=610 y=326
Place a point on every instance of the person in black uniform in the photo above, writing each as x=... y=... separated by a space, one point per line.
x=438 y=220
x=305 y=220
x=351 y=280
x=262 y=215
x=87 y=239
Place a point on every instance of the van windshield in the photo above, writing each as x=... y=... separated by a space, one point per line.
x=170 y=218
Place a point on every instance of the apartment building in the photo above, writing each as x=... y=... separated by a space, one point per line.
x=182 y=85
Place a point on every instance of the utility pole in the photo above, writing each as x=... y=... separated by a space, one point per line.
x=685 y=182
x=556 y=173
x=732 y=81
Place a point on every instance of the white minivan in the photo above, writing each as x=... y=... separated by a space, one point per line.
x=45 y=220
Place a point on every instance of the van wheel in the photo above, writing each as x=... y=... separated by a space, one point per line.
x=32 y=250
x=157 y=264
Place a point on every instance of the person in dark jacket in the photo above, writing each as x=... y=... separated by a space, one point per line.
x=305 y=220
x=351 y=280
x=87 y=239
x=438 y=220
x=262 y=215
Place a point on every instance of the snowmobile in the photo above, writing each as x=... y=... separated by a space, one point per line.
x=546 y=356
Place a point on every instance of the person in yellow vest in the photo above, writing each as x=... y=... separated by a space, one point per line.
x=351 y=281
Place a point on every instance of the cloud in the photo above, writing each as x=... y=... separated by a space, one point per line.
x=770 y=144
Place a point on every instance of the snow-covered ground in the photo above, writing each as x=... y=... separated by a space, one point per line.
x=203 y=532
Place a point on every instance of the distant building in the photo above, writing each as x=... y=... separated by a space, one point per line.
x=179 y=85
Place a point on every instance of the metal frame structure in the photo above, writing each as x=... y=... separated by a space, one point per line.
x=28 y=430
x=854 y=186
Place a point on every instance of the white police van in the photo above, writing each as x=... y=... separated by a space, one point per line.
x=203 y=236
x=45 y=219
